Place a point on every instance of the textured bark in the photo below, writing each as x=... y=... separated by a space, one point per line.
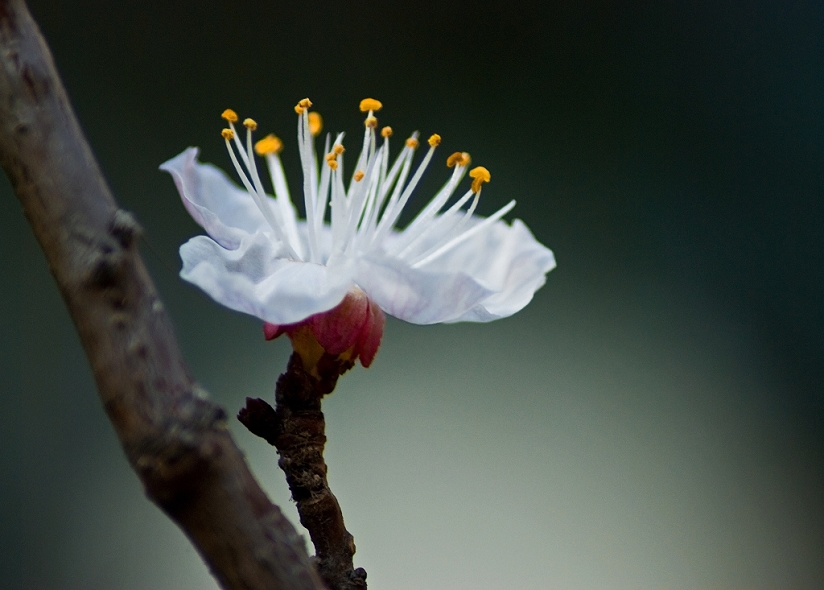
x=174 y=438
x=296 y=427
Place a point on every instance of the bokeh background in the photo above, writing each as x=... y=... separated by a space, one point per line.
x=653 y=419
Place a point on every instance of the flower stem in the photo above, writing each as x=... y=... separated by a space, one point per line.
x=296 y=427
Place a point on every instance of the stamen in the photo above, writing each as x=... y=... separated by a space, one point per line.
x=412 y=143
x=271 y=144
x=315 y=124
x=434 y=140
x=386 y=131
x=331 y=156
x=371 y=122
x=255 y=189
x=358 y=175
x=229 y=115
x=394 y=209
x=338 y=149
x=477 y=228
x=309 y=164
x=434 y=223
x=333 y=164
x=250 y=124
x=370 y=104
x=481 y=176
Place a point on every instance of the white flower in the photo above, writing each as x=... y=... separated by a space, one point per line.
x=447 y=265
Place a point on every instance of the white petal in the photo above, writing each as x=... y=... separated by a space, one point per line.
x=252 y=278
x=509 y=261
x=504 y=262
x=225 y=211
x=419 y=296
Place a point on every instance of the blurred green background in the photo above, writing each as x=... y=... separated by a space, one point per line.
x=653 y=419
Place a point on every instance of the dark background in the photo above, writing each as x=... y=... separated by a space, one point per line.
x=652 y=420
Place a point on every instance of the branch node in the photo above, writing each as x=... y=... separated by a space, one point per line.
x=125 y=228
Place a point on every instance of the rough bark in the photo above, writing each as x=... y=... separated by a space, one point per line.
x=174 y=438
x=296 y=427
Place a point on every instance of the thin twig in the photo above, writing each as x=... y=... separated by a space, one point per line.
x=173 y=437
x=296 y=427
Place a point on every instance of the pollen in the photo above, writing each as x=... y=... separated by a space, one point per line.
x=434 y=140
x=302 y=105
x=412 y=143
x=333 y=164
x=386 y=131
x=229 y=115
x=331 y=156
x=458 y=159
x=480 y=175
x=370 y=104
x=228 y=134
x=371 y=122
x=358 y=175
x=271 y=144
x=315 y=123
x=338 y=149
x=250 y=124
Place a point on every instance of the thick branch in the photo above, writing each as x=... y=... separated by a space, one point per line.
x=297 y=428
x=175 y=439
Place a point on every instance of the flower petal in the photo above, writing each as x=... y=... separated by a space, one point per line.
x=505 y=262
x=225 y=211
x=419 y=296
x=252 y=278
x=509 y=261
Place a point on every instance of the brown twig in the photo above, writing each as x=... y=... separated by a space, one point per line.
x=296 y=428
x=175 y=439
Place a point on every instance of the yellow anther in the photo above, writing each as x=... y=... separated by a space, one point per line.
x=315 y=123
x=229 y=115
x=228 y=134
x=458 y=159
x=271 y=144
x=434 y=140
x=250 y=124
x=480 y=176
x=302 y=105
x=331 y=156
x=338 y=149
x=412 y=143
x=454 y=160
x=370 y=104
x=371 y=122
x=386 y=131
x=358 y=175
x=333 y=164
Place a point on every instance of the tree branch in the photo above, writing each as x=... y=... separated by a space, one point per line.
x=296 y=427
x=174 y=438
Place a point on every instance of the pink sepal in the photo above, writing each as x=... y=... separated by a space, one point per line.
x=355 y=323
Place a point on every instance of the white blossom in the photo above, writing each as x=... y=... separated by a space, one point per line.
x=446 y=265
